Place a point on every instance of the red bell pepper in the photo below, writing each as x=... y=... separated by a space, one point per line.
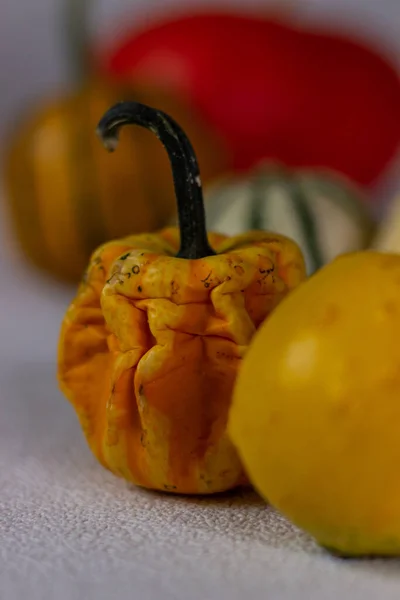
x=272 y=90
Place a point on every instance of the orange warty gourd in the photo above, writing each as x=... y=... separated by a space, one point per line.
x=151 y=346
x=65 y=197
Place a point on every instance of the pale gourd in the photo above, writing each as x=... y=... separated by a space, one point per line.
x=323 y=212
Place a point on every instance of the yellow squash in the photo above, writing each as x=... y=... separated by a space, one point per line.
x=316 y=409
x=151 y=346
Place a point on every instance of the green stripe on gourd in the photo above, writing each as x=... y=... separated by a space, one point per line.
x=323 y=213
x=262 y=186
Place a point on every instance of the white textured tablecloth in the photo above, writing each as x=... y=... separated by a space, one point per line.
x=69 y=530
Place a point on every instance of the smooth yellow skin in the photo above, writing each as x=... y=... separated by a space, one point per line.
x=316 y=409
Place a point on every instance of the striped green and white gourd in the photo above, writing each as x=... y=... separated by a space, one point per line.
x=322 y=212
x=387 y=237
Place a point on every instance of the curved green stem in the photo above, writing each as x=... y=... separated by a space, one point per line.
x=75 y=23
x=185 y=170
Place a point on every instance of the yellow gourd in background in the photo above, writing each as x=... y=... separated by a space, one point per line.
x=66 y=197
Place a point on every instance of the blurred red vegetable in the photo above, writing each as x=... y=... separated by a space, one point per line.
x=270 y=89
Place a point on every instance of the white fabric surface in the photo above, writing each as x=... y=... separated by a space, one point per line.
x=69 y=530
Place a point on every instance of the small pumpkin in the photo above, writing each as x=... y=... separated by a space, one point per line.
x=323 y=212
x=150 y=348
x=66 y=197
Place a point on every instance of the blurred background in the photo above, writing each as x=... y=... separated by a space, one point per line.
x=278 y=95
x=34 y=57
